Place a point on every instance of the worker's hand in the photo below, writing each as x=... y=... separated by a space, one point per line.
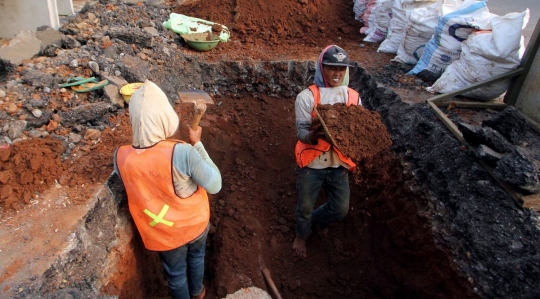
x=316 y=131
x=194 y=135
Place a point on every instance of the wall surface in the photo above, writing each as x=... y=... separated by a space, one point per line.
x=529 y=97
x=16 y=15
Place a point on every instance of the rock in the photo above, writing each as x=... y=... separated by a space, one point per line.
x=2 y=94
x=74 y=138
x=134 y=69
x=520 y=169
x=509 y=123
x=40 y=79
x=487 y=155
x=34 y=134
x=24 y=46
x=485 y=135
x=74 y=63
x=94 y=66
x=50 y=37
x=112 y=92
x=50 y=51
x=12 y=108
x=70 y=42
x=84 y=113
x=37 y=113
x=132 y=36
x=16 y=128
x=118 y=81
x=153 y=31
x=92 y=134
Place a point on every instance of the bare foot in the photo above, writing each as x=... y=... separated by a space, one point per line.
x=201 y=295
x=299 y=245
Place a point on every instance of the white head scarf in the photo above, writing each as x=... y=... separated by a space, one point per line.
x=152 y=117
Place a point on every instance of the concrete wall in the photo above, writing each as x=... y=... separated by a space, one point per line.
x=529 y=97
x=16 y=15
x=65 y=7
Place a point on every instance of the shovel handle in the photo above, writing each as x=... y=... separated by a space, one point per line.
x=198 y=110
x=268 y=278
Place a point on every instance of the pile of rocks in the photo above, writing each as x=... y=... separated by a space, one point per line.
x=118 y=41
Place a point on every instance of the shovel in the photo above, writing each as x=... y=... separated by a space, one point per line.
x=325 y=129
x=199 y=99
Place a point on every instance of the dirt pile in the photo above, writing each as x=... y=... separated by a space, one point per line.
x=357 y=132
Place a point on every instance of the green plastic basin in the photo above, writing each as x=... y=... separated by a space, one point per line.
x=201 y=41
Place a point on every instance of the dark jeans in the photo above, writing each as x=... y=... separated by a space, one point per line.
x=184 y=267
x=335 y=183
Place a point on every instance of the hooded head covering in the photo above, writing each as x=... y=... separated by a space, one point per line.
x=333 y=50
x=152 y=117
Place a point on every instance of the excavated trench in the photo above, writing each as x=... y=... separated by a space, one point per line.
x=425 y=221
x=388 y=246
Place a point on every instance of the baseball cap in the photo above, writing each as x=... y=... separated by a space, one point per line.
x=335 y=55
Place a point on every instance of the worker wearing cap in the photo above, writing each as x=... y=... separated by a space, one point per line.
x=320 y=165
x=167 y=182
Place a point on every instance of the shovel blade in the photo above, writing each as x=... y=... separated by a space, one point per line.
x=194 y=96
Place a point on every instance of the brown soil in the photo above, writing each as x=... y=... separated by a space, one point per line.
x=356 y=131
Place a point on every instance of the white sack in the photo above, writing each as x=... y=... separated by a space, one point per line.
x=368 y=17
x=383 y=14
x=396 y=31
x=452 y=28
x=359 y=9
x=486 y=54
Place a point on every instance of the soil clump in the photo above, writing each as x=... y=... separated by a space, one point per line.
x=357 y=132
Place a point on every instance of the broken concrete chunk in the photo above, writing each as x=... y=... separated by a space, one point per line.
x=485 y=135
x=135 y=69
x=509 y=123
x=40 y=79
x=495 y=140
x=520 y=169
x=70 y=42
x=488 y=155
x=112 y=92
x=24 y=46
x=137 y=36
x=49 y=37
x=470 y=133
x=84 y=114
x=16 y=128
x=92 y=134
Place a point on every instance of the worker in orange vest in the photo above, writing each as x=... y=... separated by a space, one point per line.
x=320 y=165
x=167 y=182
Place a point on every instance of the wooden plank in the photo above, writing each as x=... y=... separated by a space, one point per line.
x=517 y=197
x=458 y=104
x=530 y=122
x=531 y=201
x=463 y=90
x=448 y=123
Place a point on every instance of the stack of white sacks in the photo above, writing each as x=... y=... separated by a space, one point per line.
x=456 y=42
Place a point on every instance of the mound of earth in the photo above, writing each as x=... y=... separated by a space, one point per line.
x=356 y=131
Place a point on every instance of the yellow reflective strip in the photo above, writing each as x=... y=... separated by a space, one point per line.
x=159 y=218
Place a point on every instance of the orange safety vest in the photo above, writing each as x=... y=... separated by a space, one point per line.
x=164 y=220
x=306 y=153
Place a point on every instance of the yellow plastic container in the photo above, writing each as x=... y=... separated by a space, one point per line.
x=127 y=90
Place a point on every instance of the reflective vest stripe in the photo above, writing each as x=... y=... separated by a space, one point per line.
x=159 y=218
